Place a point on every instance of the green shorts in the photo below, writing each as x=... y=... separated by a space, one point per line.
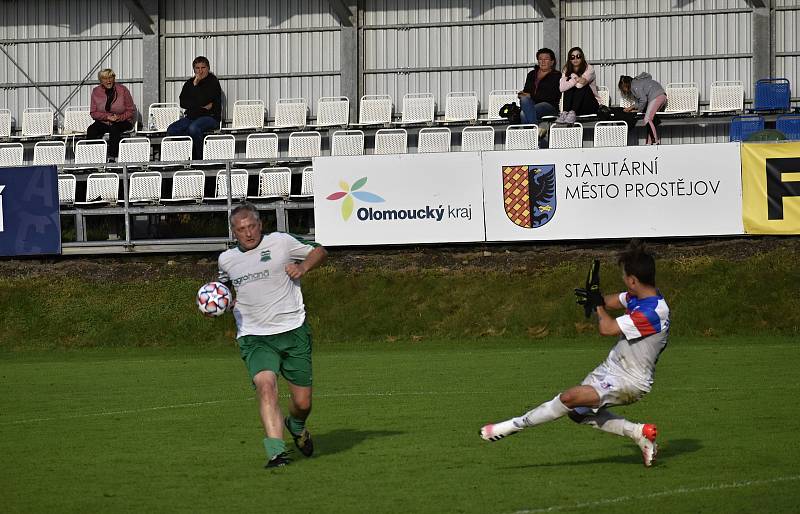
x=287 y=353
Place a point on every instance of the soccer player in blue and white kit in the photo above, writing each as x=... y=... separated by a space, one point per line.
x=627 y=373
x=273 y=335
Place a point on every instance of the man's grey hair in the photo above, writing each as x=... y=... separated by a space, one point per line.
x=244 y=209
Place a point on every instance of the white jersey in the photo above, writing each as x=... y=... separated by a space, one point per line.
x=645 y=327
x=267 y=300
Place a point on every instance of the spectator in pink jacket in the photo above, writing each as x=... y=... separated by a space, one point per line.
x=578 y=87
x=112 y=109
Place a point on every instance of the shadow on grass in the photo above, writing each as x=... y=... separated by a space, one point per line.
x=666 y=450
x=345 y=439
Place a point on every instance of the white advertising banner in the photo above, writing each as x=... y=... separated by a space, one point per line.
x=640 y=191
x=396 y=199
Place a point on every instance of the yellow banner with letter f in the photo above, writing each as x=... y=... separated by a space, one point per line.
x=771 y=188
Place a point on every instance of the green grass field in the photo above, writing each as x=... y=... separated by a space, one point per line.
x=395 y=426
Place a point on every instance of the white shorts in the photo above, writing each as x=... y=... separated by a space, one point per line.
x=613 y=389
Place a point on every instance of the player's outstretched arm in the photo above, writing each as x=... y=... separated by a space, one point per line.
x=314 y=258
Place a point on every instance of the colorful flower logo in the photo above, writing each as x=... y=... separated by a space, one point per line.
x=349 y=192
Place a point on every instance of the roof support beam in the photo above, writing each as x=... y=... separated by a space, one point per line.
x=342 y=12
x=140 y=17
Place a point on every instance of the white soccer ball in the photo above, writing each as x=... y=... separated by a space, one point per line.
x=214 y=298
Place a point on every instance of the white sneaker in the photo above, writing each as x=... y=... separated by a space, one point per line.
x=499 y=430
x=562 y=118
x=647 y=442
x=570 y=117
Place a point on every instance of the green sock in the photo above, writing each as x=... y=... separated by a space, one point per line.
x=274 y=446
x=295 y=425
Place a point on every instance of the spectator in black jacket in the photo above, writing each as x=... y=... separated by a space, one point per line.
x=541 y=95
x=201 y=97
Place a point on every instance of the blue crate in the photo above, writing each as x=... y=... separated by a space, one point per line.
x=772 y=95
x=789 y=124
x=743 y=126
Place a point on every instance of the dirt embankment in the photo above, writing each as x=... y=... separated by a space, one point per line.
x=510 y=258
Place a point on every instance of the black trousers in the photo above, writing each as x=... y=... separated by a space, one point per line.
x=581 y=100
x=115 y=130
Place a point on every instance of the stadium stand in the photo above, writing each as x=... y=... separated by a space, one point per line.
x=497 y=99
x=744 y=126
x=306 y=185
x=134 y=150
x=789 y=124
x=725 y=96
x=247 y=115
x=175 y=152
x=5 y=123
x=432 y=140
x=610 y=133
x=76 y=120
x=347 y=142
x=11 y=154
x=566 y=136
x=290 y=113
x=187 y=187
x=144 y=188
x=461 y=106
x=304 y=145
x=238 y=178
x=522 y=137
x=49 y=152
x=102 y=189
x=217 y=147
x=161 y=115
x=37 y=123
x=418 y=108
x=260 y=149
x=273 y=183
x=375 y=110
x=67 y=184
x=772 y=94
x=477 y=139
x=391 y=141
x=333 y=111
x=683 y=98
x=90 y=154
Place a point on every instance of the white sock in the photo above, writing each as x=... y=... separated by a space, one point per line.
x=548 y=411
x=607 y=421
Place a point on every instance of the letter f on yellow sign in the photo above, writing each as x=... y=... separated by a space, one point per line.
x=771 y=188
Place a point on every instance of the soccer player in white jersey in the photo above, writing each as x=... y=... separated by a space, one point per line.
x=627 y=373
x=273 y=335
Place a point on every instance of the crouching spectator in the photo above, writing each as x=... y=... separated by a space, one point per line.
x=649 y=98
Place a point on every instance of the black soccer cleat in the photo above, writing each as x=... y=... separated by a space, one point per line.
x=278 y=461
x=303 y=441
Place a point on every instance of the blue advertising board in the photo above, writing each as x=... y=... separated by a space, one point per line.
x=29 y=219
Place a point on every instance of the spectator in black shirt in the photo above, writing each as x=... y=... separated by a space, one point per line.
x=201 y=97
x=541 y=95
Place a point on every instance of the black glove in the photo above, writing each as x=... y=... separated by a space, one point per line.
x=591 y=297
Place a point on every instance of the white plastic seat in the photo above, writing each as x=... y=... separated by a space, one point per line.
x=37 y=122
x=101 y=189
x=682 y=98
x=347 y=142
x=76 y=120
x=218 y=146
x=333 y=111
x=144 y=187
x=49 y=152
x=626 y=101
x=11 y=154
x=134 y=150
x=566 y=137
x=273 y=183
x=497 y=99
x=260 y=148
x=522 y=137
x=187 y=186
x=305 y=145
x=306 y=185
x=602 y=92
x=238 y=185
x=291 y=112
x=610 y=133
x=432 y=140
x=175 y=152
x=66 y=189
x=5 y=123
x=161 y=115
x=90 y=154
x=391 y=141
x=418 y=108
x=726 y=96
x=477 y=139
x=461 y=106
x=247 y=115
x=375 y=110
